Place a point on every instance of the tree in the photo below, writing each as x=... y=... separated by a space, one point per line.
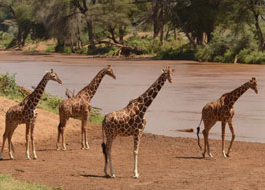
x=21 y=12
x=83 y=6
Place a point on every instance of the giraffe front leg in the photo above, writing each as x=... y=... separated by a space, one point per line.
x=230 y=123
x=32 y=141
x=85 y=134
x=27 y=141
x=223 y=139
x=136 y=139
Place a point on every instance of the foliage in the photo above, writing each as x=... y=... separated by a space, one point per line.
x=225 y=46
x=9 y=183
x=185 y=52
x=8 y=87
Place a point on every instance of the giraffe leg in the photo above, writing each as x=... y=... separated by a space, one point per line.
x=83 y=134
x=3 y=144
x=108 y=150
x=223 y=138
x=205 y=143
x=27 y=140
x=32 y=140
x=58 y=137
x=136 y=139
x=230 y=123
x=86 y=146
x=10 y=142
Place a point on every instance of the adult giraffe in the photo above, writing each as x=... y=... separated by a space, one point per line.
x=222 y=110
x=130 y=121
x=80 y=105
x=25 y=112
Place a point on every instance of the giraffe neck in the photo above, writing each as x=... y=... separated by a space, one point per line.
x=34 y=97
x=235 y=94
x=90 y=90
x=142 y=103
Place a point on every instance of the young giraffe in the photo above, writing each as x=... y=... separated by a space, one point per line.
x=25 y=113
x=130 y=121
x=80 y=105
x=222 y=110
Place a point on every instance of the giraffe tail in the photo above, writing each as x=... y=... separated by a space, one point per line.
x=103 y=145
x=198 y=132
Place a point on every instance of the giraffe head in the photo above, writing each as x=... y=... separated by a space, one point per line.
x=253 y=84
x=168 y=73
x=53 y=76
x=109 y=71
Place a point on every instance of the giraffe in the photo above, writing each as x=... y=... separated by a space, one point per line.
x=222 y=110
x=79 y=105
x=130 y=121
x=25 y=112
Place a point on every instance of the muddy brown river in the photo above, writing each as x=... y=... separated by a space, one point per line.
x=177 y=106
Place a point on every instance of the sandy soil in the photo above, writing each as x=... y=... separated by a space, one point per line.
x=164 y=162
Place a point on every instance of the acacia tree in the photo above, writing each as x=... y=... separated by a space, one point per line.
x=61 y=21
x=115 y=17
x=84 y=7
x=22 y=16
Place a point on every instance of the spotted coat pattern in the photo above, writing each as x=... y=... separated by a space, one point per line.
x=130 y=121
x=25 y=112
x=80 y=105
x=222 y=110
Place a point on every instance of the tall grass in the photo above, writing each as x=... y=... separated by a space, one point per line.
x=9 y=183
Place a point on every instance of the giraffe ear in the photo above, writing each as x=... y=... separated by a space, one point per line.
x=163 y=70
x=109 y=66
x=253 y=78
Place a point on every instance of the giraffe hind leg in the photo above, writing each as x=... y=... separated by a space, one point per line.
x=3 y=145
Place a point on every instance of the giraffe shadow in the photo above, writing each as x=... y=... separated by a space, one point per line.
x=94 y=176
x=190 y=157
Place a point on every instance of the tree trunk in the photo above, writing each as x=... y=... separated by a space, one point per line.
x=156 y=27
x=90 y=34
x=19 y=38
x=121 y=34
x=260 y=35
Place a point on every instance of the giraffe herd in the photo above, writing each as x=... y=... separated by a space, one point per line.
x=129 y=121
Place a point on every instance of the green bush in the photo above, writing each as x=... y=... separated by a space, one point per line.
x=254 y=57
x=185 y=52
x=8 y=87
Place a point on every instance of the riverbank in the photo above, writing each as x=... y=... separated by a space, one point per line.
x=164 y=162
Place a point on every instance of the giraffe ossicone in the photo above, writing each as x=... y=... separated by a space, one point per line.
x=130 y=121
x=25 y=112
x=80 y=105
x=222 y=110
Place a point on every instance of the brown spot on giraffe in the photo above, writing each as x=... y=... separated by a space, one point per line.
x=134 y=123
x=80 y=105
x=222 y=110
x=25 y=112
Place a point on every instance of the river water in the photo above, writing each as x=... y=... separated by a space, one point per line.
x=177 y=106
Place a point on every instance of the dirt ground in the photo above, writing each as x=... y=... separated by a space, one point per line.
x=164 y=162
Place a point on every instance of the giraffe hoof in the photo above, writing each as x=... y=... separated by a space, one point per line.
x=35 y=158
x=210 y=155
x=113 y=176
x=28 y=158
x=11 y=158
x=203 y=155
x=136 y=176
x=227 y=155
